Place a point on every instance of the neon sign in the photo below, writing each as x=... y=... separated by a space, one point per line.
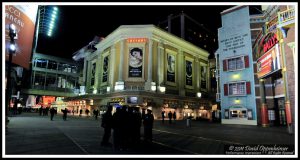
x=136 y=40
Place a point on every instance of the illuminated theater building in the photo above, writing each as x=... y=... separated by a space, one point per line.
x=274 y=53
x=142 y=65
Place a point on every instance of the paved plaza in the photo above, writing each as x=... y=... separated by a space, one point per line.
x=31 y=134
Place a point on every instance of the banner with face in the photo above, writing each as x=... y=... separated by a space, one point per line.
x=105 y=69
x=171 y=68
x=189 y=73
x=203 y=77
x=135 y=62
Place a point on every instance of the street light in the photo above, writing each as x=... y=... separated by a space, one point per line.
x=12 y=50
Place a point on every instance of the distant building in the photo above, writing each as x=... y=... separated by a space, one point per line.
x=51 y=77
x=142 y=65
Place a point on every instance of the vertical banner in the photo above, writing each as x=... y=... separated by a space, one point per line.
x=105 y=69
x=93 y=72
x=171 y=68
x=189 y=73
x=203 y=77
x=135 y=62
x=23 y=17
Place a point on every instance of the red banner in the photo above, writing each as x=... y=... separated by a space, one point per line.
x=23 y=17
x=269 y=62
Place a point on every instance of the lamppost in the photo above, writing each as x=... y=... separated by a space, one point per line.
x=11 y=50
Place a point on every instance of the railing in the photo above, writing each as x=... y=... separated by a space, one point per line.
x=272 y=24
x=134 y=88
x=286 y=16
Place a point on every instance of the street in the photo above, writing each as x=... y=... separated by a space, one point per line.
x=31 y=134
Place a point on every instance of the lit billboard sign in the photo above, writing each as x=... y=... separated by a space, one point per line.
x=23 y=17
x=269 y=62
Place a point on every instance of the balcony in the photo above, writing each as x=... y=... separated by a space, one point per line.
x=286 y=18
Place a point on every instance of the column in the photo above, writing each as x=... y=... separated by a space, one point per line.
x=150 y=61
x=112 y=69
x=149 y=82
x=263 y=104
x=287 y=105
x=181 y=73
x=120 y=83
x=120 y=75
x=197 y=75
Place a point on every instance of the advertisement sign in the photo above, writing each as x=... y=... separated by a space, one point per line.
x=135 y=62
x=23 y=17
x=269 y=62
x=203 y=77
x=171 y=68
x=189 y=73
x=105 y=69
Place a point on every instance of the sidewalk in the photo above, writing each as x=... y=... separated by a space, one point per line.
x=31 y=134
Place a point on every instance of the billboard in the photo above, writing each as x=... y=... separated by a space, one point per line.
x=171 y=60
x=189 y=73
x=23 y=17
x=135 y=62
x=269 y=62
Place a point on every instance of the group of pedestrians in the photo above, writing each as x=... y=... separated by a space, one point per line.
x=170 y=116
x=126 y=124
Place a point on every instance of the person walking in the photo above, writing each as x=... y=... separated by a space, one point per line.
x=87 y=111
x=80 y=112
x=148 y=125
x=107 y=122
x=163 y=116
x=170 y=117
x=52 y=112
x=174 y=116
x=65 y=111
x=117 y=123
x=96 y=113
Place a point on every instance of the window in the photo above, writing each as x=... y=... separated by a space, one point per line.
x=41 y=63
x=235 y=63
x=237 y=88
x=52 y=65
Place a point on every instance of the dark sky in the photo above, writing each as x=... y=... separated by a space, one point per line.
x=77 y=25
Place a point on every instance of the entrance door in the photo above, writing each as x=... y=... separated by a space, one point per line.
x=280 y=115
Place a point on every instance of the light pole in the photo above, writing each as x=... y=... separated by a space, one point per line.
x=12 y=50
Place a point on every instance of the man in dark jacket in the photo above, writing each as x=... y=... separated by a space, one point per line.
x=148 y=125
x=107 y=121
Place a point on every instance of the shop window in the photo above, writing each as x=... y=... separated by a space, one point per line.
x=52 y=65
x=41 y=63
x=238 y=113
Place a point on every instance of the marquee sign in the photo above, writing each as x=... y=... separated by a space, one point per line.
x=269 y=62
x=136 y=40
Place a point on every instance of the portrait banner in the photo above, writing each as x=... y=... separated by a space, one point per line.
x=171 y=68
x=135 y=62
x=189 y=73
x=105 y=69
x=203 y=77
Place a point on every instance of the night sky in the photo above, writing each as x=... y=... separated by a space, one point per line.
x=77 y=25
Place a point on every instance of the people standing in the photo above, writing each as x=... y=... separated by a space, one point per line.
x=137 y=125
x=87 y=111
x=96 y=113
x=170 y=117
x=80 y=112
x=163 y=116
x=107 y=123
x=174 y=116
x=148 y=125
x=117 y=123
x=52 y=112
x=65 y=111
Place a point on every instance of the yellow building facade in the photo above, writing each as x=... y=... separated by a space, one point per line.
x=142 y=65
